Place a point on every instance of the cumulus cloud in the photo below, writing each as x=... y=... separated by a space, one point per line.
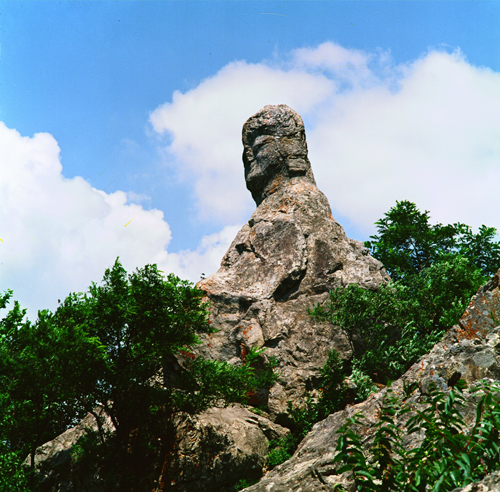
x=426 y=130
x=204 y=127
x=206 y=259
x=435 y=141
x=57 y=234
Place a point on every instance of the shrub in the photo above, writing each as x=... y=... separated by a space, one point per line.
x=448 y=456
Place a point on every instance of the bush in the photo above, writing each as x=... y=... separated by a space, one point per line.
x=448 y=457
x=243 y=484
x=281 y=450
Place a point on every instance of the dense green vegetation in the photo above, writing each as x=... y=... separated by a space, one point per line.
x=448 y=456
x=123 y=346
x=435 y=269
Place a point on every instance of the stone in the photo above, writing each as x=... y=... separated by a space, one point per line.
x=53 y=461
x=211 y=451
x=283 y=262
x=217 y=448
x=470 y=350
x=490 y=483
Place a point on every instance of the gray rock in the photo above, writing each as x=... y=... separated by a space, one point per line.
x=275 y=150
x=219 y=447
x=282 y=262
x=53 y=460
x=470 y=350
x=212 y=451
x=491 y=483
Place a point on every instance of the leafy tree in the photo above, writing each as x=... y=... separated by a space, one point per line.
x=13 y=477
x=147 y=325
x=123 y=346
x=435 y=271
x=42 y=372
x=389 y=329
x=407 y=244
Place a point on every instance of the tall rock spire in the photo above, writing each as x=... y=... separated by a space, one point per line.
x=283 y=261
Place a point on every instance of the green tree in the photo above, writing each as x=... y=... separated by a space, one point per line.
x=42 y=369
x=407 y=243
x=146 y=325
x=435 y=271
x=123 y=346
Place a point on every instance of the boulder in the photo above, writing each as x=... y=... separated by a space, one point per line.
x=217 y=448
x=283 y=261
x=211 y=451
x=470 y=351
x=491 y=483
x=54 y=462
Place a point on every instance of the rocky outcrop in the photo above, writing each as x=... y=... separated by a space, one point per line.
x=283 y=261
x=470 y=351
x=211 y=452
x=218 y=447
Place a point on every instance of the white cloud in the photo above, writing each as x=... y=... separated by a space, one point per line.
x=205 y=129
x=205 y=259
x=60 y=234
x=436 y=141
x=427 y=130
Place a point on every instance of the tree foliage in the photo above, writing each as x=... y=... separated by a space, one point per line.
x=449 y=456
x=123 y=346
x=435 y=271
x=407 y=243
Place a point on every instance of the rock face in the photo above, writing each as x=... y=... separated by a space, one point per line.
x=283 y=261
x=491 y=483
x=218 y=447
x=53 y=459
x=470 y=350
x=211 y=452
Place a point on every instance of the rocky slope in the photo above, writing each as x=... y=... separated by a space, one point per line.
x=470 y=350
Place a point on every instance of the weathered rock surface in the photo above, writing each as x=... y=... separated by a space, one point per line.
x=212 y=451
x=218 y=447
x=470 y=350
x=491 y=483
x=53 y=459
x=283 y=261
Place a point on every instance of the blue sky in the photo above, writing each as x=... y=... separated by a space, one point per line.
x=132 y=110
